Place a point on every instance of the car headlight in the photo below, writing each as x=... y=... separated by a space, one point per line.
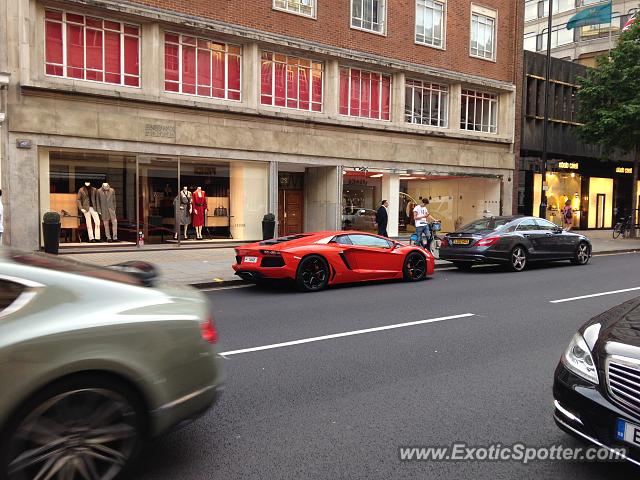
x=578 y=359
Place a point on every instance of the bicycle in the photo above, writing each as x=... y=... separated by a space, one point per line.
x=622 y=227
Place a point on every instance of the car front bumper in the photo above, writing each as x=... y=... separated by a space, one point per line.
x=584 y=412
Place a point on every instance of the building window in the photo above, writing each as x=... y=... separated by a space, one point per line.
x=483 y=32
x=364 y=94
x=198 y=66
x=479 y=111
x=91 y=48
x=301 y=7
x=430 y=23
x=426 y=103
x=368 y=15
x=291 y=82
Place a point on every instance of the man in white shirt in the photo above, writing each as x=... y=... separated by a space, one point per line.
x=422 y=217
x=1 y=217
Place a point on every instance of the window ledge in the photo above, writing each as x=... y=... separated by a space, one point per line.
x=365 y=30
x=443 y=47
x=492 y=60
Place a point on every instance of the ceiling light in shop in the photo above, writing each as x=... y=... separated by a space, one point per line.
x=377 y=175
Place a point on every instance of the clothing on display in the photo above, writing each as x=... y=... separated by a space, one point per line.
x=106 y=198
x=88 y=205
x=199 y=201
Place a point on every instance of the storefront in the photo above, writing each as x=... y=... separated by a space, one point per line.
x=152 y=199
x=598 y=192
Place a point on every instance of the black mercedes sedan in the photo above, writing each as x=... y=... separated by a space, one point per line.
x=513 y=241
x=596 y=388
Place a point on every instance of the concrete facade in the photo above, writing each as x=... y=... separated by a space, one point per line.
x=53 y=113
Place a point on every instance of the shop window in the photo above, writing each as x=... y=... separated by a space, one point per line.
x=479 y=111
x=91 y=48
x=198 y=66
x=364 y=94
x=291 y=82
x=426 y=103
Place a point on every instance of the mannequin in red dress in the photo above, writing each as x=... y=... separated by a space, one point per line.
x=199 y=203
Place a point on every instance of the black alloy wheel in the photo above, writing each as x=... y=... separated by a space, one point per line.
x=77 y=429
x=415 y=267
x=313 y=274
x=518 y=259
x=582 y=254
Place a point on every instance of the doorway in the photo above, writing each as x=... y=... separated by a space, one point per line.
x=600 y=209
x=290 y=203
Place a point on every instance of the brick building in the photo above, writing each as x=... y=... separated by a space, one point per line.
x=314 y=110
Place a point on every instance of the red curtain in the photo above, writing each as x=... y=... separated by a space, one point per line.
x=280 y=84
x=233 y=77
x=95 y=69
x=219 y=68
x=53 y=47
x=266 y=80
x=131 y=61
x=188 y=69
x=355 y=93
x=375 y=96
x=204 y=72
x=316 y=96
x=344 y=91
x=386 y=96
x=112 y=57
x=75 y=51
x=171 y=67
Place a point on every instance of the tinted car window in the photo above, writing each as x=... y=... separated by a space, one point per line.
x=546 y=224
x=342 y=240
x=527 y=225
x=369 y=241
x=484 y=224
x=9 y=291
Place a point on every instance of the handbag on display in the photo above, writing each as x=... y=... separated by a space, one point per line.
x=220 y=212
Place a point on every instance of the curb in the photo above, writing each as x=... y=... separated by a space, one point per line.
x=236 y=282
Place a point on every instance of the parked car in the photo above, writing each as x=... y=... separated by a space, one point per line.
x=361 y=219
x=316 y=260
x=92 y=363
x=513 y=241
x=596 y=387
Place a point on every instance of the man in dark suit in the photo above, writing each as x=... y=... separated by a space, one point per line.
x=382 y=218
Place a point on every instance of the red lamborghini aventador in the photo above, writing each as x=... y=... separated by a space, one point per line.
x=315 y=260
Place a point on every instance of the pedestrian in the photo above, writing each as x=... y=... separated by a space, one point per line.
x=567 y=216
x=1 y=217
x=382 y=218
x=422 y=218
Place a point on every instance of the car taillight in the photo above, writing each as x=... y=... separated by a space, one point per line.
x=208 y=330
x=487 y=242
x=444 y=242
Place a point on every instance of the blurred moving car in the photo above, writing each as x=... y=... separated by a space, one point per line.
x=92 y=363
x=316 y=260
x=513 y=241
x=596 y=387
x=362 y=219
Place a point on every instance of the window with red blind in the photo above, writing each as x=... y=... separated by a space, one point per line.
x=364 y=94
x=291 y=82
x=198 y=66
x=91 y=48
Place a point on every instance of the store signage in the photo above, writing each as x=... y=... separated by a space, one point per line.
x=569 y=166
x=624 y=170
x=24 y=143
x=161 y=131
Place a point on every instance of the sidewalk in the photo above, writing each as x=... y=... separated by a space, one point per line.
x=212 y=266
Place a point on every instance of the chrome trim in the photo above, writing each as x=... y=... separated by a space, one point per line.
x=23 y=299
x=567 y=413
x=184 y=399
x=617 y=394
x=596 y=442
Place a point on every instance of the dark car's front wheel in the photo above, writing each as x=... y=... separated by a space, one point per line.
x=415 y=267
x=582 y=254
x=78 y=428
x=518 y=259
x=313 y=274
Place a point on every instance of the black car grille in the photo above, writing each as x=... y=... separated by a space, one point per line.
x=272 y=262
x=623 y=381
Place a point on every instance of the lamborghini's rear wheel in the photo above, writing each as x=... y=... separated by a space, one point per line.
x=313 y=274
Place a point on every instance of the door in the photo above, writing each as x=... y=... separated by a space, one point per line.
x=557 y=242
x=601 y=200
x=530 y=230
x=290 y=212
x=374 y=257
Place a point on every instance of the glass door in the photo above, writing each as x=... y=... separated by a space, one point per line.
x=158 y=187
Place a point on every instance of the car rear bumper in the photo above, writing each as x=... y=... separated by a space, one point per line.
x=473 y=254
x=256 y=272
x=584 y=412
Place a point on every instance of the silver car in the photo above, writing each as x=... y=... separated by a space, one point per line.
x=92 y=364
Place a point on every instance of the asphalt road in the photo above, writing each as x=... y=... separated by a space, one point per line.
x=340 y=407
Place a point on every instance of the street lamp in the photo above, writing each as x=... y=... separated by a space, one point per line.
x=545 y=122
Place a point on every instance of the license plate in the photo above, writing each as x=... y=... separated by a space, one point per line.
x=250 y=259
x=628 y=432
x=461 y=241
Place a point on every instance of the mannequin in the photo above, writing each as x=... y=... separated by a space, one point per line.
x=199 y=199
x=107 y=210
x=88 y=205
x=183 y=209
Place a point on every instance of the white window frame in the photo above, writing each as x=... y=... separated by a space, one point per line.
x=289 y=6
x=64 y=65
x=465 y=108
x=489 y=13
x=443 y=26
x=441 y=90
x=382 y=5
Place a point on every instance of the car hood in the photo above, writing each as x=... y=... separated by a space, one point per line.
x=616 y=331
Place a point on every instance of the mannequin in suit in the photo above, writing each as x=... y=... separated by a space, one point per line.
x=88 y=205
x=199 y=204
x=107 y=210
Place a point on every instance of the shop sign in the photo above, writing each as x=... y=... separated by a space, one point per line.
x=569 y=165
x=624 y=170
x=159 y=131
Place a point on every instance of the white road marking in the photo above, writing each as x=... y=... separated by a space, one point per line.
x=613 y=292
x=345 y=334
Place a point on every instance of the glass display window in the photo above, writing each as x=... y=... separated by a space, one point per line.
x=562 y=187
